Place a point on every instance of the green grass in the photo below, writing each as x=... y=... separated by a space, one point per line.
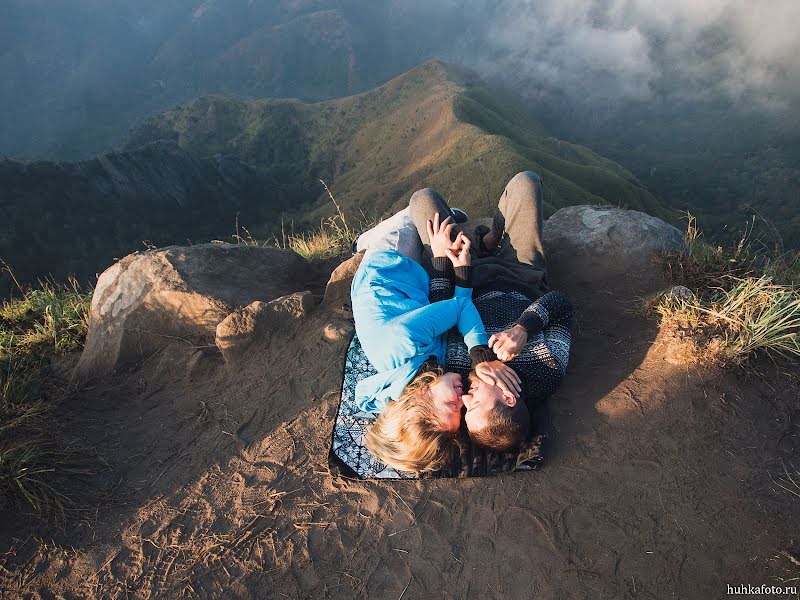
x=433 y=126
x=753 y=316
x=45 y=321
x=744 y=300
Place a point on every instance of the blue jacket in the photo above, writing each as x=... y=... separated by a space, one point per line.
x=399 y=328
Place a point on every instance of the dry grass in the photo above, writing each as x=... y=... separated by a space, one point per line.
x=43 y=322
x=754 y=315
x=736 y=302
x=789 y=480
x=333 y=237
x=705 y=267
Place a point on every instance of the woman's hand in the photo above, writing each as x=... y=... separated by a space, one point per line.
x=439 y=235
x=496 y=373
x=509 y=343
x=459 y=253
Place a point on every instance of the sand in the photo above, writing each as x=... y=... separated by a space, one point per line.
x=659 y=482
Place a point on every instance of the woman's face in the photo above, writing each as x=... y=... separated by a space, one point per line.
x=446 y=392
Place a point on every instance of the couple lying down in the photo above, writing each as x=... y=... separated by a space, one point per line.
x=448 y=326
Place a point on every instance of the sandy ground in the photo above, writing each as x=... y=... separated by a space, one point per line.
x=659 y=482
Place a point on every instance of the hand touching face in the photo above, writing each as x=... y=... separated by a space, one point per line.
x=495 y=373
x=480 y=400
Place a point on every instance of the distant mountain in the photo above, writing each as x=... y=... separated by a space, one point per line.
x=437 y=125
x=189 y=172
x=77 y=74
x=75 y=218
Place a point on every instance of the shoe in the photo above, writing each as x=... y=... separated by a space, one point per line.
x=354 y=246
x=480 y=231
x=459 y=215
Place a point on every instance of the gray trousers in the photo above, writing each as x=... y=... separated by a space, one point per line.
x=519 y=261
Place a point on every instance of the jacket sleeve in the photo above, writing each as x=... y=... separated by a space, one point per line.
x=553 y=306
x=441 y=282
x=469 y=321
x=430 y=321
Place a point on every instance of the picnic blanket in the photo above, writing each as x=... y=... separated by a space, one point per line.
x=349 y=456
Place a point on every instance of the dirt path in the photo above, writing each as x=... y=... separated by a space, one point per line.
x=658 y=483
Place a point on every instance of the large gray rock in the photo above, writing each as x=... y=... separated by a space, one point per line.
x=150 y=299
x=599 y=243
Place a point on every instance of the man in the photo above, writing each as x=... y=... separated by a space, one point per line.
x=529 y=325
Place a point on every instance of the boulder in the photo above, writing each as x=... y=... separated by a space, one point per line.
x=150 y=299
x=244 y=329
x=594 y=244
x=337 y=291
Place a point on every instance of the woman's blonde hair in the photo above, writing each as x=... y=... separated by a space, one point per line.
x=408 y=435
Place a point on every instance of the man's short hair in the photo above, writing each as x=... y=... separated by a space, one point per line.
x=507 y=428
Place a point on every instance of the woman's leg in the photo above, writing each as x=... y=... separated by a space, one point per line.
x=395 y=233
x=423 y=205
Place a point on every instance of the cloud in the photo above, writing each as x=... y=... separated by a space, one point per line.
x=614 y=50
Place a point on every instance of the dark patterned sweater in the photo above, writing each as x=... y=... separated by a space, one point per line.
x=548 y=321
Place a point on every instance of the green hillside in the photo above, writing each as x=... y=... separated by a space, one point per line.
x=192 y=172
x=433 y=126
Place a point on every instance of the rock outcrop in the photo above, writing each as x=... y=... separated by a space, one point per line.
x=601 y=243
x=150 y=299
x=237 y=334
x=236 y=296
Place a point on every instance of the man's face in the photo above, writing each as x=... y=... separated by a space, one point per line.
x=447 y=393
x=480 y=400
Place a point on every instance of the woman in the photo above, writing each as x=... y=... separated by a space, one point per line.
x=403 y=335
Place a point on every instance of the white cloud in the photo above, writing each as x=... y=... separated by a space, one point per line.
x=618 y=49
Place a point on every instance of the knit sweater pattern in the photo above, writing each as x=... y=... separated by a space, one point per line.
x=542 y=363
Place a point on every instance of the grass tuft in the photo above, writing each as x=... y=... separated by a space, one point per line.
x=705 y=267
x=754 y=315
x=735 y=302
x=44 y=322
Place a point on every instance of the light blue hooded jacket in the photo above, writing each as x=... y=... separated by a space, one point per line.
x=399 y=328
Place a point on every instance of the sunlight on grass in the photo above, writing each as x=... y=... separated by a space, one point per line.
x=753 y=315
x=333 y=237
x=735 y=302
x=45 y=321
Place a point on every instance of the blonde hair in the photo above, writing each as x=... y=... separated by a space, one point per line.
x=408 y=435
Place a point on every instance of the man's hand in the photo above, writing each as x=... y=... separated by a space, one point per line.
x=496 y=373
x=509 y=343
x=439 y=235
x=459 y=254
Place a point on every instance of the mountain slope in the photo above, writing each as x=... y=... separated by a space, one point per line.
x=75 y=218
x=433 y=126
x=192 y=172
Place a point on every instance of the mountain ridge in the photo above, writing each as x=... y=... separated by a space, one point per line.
x=435 y=126
x=428 y=126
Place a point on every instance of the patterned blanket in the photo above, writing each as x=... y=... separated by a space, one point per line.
x=350 y=458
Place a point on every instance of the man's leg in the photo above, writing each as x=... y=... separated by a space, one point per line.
x=519 y=219
x=518 y=228
x=423 y=205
